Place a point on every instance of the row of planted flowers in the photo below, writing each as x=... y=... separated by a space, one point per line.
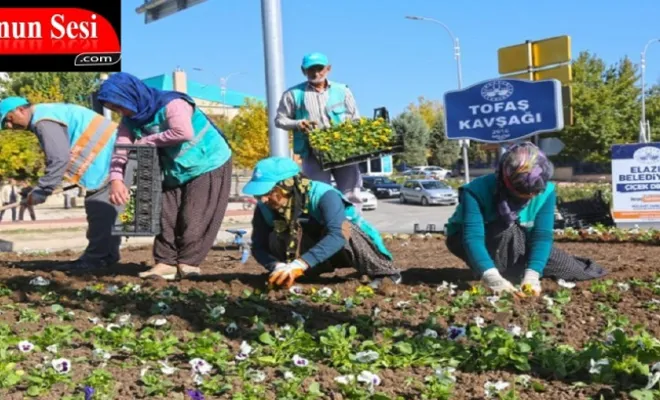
x=287 y=358
x=596 y=233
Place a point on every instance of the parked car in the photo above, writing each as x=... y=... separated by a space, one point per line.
x=431 y=170
x=369 y=201
x=427 y=192
x=417 y=173
x=381 y=187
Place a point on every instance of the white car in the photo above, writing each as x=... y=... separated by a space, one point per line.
x=434 y=171
x=369 y=200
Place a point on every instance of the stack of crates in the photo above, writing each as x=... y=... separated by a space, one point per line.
x=582 y=213
x=147 y=185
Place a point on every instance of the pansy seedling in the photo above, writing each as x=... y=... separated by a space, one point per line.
x=455 y=332
x=256 y=376
x=299 y=362
x=296 y=290
x=565 y=284
x=25 y=347
x=195 y=394
x=244 y=351
x=596 y=367
x=369 y=378
x=39 y=281
x=89 y=392
x=166 y=369
x=493 y=388
x=367 y=356
x=231 y=328
x=61 y=365
x=430 y=333
x=345 y=379
x=514 y=330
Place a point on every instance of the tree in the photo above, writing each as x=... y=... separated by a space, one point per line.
x=605 y=108
x=73 y=87
x=653 y=110
x=415 y=134
x=430 y=110
x=248 y=134
x=444 y=152
x=20 y=155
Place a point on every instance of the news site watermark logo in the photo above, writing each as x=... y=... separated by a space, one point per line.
x=61 y=36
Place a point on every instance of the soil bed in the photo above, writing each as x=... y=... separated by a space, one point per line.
x=230 y=304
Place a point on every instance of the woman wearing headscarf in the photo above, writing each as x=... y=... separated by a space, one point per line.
x=195 y=159
x=305 y=227
x=504 y=226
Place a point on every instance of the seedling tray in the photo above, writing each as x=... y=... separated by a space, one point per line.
x=147 y=193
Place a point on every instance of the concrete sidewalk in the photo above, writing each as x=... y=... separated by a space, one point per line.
x=57 y=229
x=57 y=218
x=45 y=240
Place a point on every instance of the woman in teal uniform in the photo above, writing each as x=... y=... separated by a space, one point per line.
x=304 y=227
x=195 y=159
x=504 y=226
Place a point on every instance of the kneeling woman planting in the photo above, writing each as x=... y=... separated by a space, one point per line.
x=305 y=227
x=504 y=224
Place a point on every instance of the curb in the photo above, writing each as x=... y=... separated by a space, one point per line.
x=70 y=223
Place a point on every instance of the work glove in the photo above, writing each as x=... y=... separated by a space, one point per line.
x=286 y=274
x=496 y=282
x=36 y=196
x=531 y=283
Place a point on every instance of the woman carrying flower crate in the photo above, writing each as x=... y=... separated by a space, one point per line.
x=195 y=159
x=302 y=226
x=505 y=224
x=318 y=103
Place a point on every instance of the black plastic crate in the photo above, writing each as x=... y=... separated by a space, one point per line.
x=587 y=212
x=147 y=193
x=430 y=228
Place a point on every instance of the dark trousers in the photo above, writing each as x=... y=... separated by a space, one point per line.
x=191 y=218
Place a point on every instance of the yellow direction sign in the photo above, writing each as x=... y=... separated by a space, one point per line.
x=545 y=52
x=515 y=62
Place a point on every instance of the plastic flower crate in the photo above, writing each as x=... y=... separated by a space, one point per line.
x=353 y=142
x=142 y=215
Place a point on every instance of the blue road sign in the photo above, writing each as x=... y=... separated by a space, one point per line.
x=503 y=110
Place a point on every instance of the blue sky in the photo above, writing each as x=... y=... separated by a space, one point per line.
x=385 y=59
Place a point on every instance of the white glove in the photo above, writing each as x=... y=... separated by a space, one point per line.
x=531 y=282
x=496 y=282
x=286 y=274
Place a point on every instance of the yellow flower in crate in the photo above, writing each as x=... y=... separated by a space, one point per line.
x=352 y=138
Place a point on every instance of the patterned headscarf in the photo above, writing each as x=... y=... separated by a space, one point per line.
x=523 y=173
x=297 y=188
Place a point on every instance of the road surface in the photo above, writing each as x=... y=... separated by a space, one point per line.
x=393 y=217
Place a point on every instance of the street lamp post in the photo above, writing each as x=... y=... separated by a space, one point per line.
x=644 y=135
x=223 y=88
x=459 y=76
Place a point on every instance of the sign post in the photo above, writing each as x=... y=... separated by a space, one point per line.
x=504 y=110
x=271 y=20
x=636 y=185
